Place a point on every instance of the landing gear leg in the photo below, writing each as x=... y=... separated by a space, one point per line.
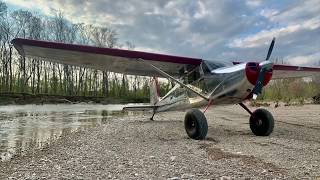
x=195 y=124
x=245 y=108
x=154 y=112
x=261 y=121
x=152 y=117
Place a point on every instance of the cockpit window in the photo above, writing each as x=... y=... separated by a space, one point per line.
x=205 y=67
x=216 y=65
x=208 y=66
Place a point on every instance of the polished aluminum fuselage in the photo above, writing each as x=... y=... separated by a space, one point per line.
x=224 y=85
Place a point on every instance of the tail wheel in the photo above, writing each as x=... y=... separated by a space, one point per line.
x=196 y=124
x=261 y=122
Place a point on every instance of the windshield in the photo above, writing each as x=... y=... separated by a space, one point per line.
x=216 y=64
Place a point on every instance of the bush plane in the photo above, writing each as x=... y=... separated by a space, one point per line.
x=198 y=82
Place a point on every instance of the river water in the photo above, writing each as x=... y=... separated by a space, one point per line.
x=33 y=126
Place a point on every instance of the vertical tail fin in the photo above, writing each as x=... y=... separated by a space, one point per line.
x=154 y=91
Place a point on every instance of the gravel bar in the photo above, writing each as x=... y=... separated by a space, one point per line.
x=133 y=147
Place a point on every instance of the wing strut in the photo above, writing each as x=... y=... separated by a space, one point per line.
x=187 y=86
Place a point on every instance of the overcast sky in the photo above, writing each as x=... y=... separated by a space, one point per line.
x=209 y=29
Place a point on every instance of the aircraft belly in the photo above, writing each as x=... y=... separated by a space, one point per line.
x=197 y=102
x=174 y=103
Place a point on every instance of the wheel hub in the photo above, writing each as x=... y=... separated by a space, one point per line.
x=193 y=123
x=258 y=122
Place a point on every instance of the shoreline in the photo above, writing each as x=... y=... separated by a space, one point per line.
x=25 y=98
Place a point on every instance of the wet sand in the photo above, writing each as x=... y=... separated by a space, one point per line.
x=132 y=147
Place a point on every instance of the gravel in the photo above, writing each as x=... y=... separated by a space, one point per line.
x=134 y=147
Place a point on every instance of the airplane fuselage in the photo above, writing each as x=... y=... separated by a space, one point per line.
x=223 y=85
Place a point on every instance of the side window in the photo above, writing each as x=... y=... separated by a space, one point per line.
x=204 y=68
x=195 y=75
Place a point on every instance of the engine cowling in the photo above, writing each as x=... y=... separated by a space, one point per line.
x=252 y=72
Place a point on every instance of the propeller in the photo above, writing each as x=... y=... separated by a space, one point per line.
x=270 y=48
x=265 y=66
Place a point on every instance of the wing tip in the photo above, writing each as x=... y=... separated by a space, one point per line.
x=295 y=68
x=16 y=42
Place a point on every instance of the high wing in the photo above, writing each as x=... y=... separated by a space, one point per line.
x=286 y=71
x=126 y=61
x=281 y=71
x=114 y=60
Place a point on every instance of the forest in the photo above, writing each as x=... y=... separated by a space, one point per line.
x=33 y=77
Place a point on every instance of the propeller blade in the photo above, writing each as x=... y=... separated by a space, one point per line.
x=270 y=48
x=265 y=66
x=259 y=84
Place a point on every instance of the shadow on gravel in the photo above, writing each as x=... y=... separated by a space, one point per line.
x=223 y=131
x=210 y=139
x=216 y=154
x=147 y=121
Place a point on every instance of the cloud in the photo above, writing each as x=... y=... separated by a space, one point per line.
x=311 y=59
x=293 y=13
x=254 y=3
x=264 y=36
x=209 y=29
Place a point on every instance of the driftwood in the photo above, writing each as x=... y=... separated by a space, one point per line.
x=316 y=99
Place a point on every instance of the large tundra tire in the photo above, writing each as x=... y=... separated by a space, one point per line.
x=261 y=122
x=195 y=124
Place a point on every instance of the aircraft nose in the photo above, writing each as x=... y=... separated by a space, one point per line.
x=252 y=72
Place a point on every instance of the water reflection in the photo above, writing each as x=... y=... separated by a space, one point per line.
x=22 y=127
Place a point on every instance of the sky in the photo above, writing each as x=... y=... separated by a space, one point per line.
x=231 y=30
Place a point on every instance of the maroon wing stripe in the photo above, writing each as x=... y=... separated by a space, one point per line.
x=18 y=42
x=289 y=68
x=294 y=68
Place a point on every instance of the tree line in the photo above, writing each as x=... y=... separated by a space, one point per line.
x=292 y=89
x=19 y=74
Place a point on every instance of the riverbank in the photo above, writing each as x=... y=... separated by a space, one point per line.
x=25 y=98
x=133 y=147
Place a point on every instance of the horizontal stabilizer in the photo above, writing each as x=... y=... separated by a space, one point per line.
x=140 y=108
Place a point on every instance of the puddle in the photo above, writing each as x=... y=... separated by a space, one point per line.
x=26 y=126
